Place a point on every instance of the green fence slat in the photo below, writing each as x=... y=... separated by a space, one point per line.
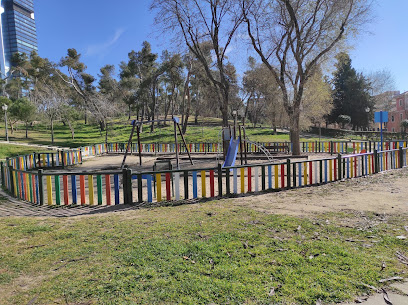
x=57 y=190
x=99 y=186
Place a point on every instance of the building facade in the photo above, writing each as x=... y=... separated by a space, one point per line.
x=398 y=112
x=18 y=31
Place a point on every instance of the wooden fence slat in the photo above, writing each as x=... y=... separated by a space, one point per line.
x=108 y=190
x=99 y=188
x=203 y=185
x=49 y=190
x=65 y=186
x=116 y=188
x=91 y=190
x=74 y=189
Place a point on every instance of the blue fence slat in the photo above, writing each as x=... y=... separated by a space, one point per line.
x=116 y=187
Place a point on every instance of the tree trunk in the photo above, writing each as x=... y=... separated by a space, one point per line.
x=85 y=119
x=71 y=128
x=26 y=127
x=224 y=111
x=196 y=117
x=245 y=114
x=52 y=131
x=320 y=132
x=102 y=125
x=129 y=112
x=187 y=112
x=295 y=131
x=186 y=92
x=106 y=133
x=142 y=116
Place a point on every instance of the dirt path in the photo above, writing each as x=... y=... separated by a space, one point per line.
x=382 y=193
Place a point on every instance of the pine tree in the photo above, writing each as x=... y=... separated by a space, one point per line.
x=351 y=94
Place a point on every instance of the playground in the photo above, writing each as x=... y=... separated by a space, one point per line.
x=281 y=245
x=286 y=243
x=135 y=173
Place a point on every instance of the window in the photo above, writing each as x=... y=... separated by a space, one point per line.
x=400 y=117
x=400 y=101
x=393 y=129
x=392 y=118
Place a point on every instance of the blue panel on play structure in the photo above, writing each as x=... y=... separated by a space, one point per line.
x=133 y=122
x=381 y=117
x=231 y=153
x=176 y=119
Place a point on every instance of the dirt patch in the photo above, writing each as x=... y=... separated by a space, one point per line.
x=384 y=193
x=113 y=162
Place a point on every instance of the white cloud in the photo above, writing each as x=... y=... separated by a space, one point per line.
x=102 y=49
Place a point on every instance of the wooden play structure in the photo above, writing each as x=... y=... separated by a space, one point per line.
x=137 y=125
x=232 y=142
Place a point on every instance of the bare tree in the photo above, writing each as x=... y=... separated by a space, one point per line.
x=292 y=37
x=49 y=98
x=382 y=85
x=381 y=81
x=199 y=22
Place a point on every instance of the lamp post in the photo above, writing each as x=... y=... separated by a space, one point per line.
x=5 y=107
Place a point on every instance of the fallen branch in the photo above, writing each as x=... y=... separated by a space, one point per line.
x=394 y=278
x=371 y=287
x=386 y=298
x=402 y=258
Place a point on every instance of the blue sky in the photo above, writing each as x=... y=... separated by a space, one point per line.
x=106 y=31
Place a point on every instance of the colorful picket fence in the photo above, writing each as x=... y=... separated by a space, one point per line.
x=46 y=160
x=82 y=189
x=119 y=187
x=333 y=147
x=94 y=150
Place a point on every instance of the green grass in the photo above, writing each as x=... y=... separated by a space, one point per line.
x=9 y=150
x=194 y=254
x=207 y=130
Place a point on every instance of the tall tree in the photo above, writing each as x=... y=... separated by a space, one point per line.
x=264 y=102
x=143 y=67
x=83 y=84
x=23 y=109
x=317 y=101
x=292 y=37
x=172 y=80
x=351 y=94
x=212 y=21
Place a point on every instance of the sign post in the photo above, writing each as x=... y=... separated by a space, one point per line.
x=381 y=117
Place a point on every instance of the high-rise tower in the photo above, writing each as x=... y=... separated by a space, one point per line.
x=18 y=31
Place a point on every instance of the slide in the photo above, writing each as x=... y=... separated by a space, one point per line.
x=231 y=153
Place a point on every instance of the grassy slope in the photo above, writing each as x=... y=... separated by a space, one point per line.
x=207 y=131
x=194 y=254
x=9 y=150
